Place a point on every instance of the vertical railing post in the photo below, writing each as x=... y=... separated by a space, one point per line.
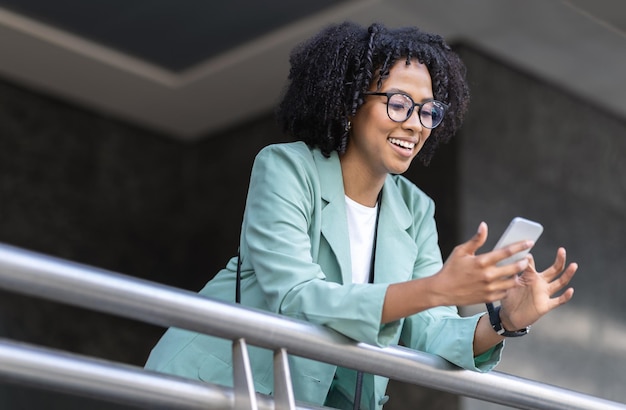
x=283 y=389
x=245 y=396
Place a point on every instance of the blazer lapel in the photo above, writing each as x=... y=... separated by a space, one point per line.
x=395 y=249
x=334 y=221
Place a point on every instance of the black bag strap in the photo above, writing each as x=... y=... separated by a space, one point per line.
x=359 y=375
x=238 y=283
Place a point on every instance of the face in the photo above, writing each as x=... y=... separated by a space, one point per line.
x=378 y=145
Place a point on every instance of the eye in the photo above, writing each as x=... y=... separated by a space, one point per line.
x=431 y=114
x=428 y=113
x=399 y=102
x=433 y=111
x=395 y=106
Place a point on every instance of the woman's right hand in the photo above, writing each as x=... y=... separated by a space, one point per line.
x=467 y=278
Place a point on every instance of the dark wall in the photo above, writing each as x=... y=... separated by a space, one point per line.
x=90 y=189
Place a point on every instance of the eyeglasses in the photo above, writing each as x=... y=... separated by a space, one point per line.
x=400 y=107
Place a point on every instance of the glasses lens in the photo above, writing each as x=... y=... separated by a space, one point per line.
x=399 y=107
x=431 y=114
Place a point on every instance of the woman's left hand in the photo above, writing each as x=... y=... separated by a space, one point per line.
x=532 y=297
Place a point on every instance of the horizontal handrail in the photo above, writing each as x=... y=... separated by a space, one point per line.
x=69 y=282
x=113 y=382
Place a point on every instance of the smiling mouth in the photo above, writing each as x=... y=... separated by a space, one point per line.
x=401 y=143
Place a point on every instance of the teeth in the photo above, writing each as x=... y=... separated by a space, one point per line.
x=402 y=143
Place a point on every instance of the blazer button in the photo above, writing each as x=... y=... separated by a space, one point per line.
x=383 y=400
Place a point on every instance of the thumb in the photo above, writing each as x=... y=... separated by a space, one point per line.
x=478 y=240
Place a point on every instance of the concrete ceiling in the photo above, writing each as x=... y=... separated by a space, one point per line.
x=182 y=67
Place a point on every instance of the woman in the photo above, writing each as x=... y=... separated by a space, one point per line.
x=329 y=214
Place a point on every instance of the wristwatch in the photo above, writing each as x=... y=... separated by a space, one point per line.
x=496 y=323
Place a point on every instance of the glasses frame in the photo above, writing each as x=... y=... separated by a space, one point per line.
x=412 y=108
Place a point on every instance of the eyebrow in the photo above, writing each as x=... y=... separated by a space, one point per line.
x=398 y=90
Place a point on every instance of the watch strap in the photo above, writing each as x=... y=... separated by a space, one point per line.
x=496 y=323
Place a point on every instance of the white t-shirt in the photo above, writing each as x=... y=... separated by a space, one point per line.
x=361 y=228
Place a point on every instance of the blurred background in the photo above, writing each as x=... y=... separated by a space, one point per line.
x=128 y=130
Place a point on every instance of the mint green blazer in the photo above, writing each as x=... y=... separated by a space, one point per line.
x=295 y=256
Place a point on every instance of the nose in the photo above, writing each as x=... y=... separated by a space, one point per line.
x=413 y=122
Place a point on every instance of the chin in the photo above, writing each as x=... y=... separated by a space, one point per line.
x=398 y=170
x=402 y=167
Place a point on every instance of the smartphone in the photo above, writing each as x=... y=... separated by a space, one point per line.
x=519 y=229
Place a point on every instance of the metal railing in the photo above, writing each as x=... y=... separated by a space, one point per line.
x=68 y=282
x=114 y=382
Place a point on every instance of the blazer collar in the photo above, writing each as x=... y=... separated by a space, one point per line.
x=334 y=220
x=395 y=249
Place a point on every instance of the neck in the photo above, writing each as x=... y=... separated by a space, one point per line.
x=360 y=186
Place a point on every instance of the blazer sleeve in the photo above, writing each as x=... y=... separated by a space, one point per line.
x=441 y=330
x=281 y=227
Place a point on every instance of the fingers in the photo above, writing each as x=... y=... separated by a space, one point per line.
x=511 y=269
x=499 y=288
x=557 y=267
x=564 y=298
x=501 y=254
x=564 y=279
x=478 y=240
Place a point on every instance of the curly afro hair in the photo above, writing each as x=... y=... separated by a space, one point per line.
x=331 y=71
